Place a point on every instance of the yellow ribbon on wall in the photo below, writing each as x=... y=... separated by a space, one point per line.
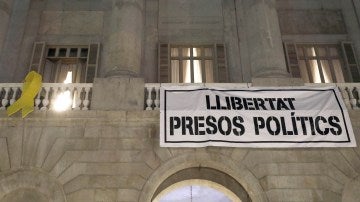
x=30 y=89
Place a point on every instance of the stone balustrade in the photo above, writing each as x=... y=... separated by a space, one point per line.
x=350 y=92
x=78 y=95
x=152 y=91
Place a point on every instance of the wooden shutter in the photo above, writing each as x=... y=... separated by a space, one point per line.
x=351 y=64
x=37 y=57
x=164 y=63
x=292 y=60
x=221 y=70
x=92 y=62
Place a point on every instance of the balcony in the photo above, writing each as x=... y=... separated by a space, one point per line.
x=79 y=94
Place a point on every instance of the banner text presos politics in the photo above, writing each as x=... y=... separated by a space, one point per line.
x=272 y=125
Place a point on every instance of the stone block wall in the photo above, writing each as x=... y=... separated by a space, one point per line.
x=80 y=22
x=56 y=22
x=115 y=156
x=316 y=21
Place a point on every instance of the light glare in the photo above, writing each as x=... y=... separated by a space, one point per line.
x=63 y=101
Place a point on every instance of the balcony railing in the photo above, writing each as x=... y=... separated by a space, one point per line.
x=80 y=94
x=350 y=92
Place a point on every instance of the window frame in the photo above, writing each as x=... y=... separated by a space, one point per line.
x=293 y=65
x=319 y=58
x=59 y=59
x=218 y=58
x=202 y=58
x=40 y=56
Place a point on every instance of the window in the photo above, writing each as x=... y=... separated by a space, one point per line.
x=187 y=64
x=322 y=63
x=192 y=64
x=195 y=193
x=75 y=64
x=197 y=190
x=65 y=62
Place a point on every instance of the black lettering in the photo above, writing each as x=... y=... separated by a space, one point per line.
x=317 y=125
x=236 y=103
x=250 y=103
x=259 y=123
x=270 y=100
x=218 y=105
x=237 y=121
x=312 y=127
x=199 y=124
x=174 y=125
x=228 y=106
x=283 y=127
x=207 y=98
x=293 y=120
x=211 y=123
x=277 y=124
x=290 y=102
x=303 y=124
x=259 y=102
x=334 y=122
x=187 y=123
x=228 y=127
x=281 y=105
x=245 y=103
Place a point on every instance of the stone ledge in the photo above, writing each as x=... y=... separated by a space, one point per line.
x=119 y=115
x=269 y=82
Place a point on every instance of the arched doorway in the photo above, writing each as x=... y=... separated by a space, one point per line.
x=206 y=165
x=196 y=183
x=196 y=191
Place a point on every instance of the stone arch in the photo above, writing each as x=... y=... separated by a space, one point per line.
x=34 y=183
x=205 y=174
x=23 y=194
x=198 y=182
x=200 y=160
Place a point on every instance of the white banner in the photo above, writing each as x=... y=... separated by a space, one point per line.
x=193 y=116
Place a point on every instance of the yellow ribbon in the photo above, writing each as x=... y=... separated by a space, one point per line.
x=30 y=89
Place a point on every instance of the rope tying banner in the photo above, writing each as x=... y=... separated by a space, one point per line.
x=30 y=89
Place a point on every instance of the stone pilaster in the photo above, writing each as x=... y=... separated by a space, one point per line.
x=123 y=48
x=5 y=11
x=351 y=14
x=264 y=39
x=14 y=37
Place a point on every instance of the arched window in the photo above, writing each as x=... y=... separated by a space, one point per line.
x=197 y=185
x=196 y=190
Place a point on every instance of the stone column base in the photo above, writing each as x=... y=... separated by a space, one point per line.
x=118 y=94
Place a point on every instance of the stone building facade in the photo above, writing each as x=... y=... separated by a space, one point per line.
x=111 y=152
